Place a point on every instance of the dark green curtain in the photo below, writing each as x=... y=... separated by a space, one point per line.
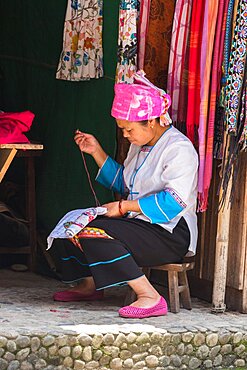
x=31 y=35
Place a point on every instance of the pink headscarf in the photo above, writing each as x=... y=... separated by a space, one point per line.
x=140 y=101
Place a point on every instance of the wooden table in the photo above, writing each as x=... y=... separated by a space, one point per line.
x=28 y=151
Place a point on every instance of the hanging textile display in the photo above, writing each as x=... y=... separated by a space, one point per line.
x=236 y=71
x=235 y=103
x=82 y=54
x=210 y=17
x=179 y=41
x=214 y=95
x=219 y=124
x=158 y=41
x=127 y=40
x=194 y=77
x=142 y=31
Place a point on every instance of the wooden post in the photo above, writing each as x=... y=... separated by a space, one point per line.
x=221 y=251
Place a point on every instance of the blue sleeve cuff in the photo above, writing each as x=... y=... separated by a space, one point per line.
x=110 y=175
x=161 y=207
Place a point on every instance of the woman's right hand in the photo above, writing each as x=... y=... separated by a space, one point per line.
x=86 y=142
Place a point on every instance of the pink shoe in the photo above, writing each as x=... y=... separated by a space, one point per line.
x=71 y=296
x=159 y=309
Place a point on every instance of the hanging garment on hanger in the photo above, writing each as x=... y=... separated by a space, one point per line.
x=142 y=31
x=179 y=41
x=158 y=41
x=127 y=40
x=82 y=55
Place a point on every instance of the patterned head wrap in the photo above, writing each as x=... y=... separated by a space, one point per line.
x=140 y=101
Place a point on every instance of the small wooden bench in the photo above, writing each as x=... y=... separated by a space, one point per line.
x=178 y=285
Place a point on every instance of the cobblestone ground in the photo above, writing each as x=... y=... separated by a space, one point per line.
x=37 y=333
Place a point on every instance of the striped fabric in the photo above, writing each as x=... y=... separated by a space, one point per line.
x=179 y=41
x=213 y=97
x=210 y=18
x=194 y=77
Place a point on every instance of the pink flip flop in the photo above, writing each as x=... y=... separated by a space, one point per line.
x=71 y=296
x=159 y=309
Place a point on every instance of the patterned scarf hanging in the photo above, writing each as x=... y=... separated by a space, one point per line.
x=82 y=54
x=179 y=41
x=236 y=71
x=127 y=40
x=219 y=125
x=158 y=41
x=235 y=100
x=142 y=31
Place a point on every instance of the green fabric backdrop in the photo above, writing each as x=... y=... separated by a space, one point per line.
x=30 y=45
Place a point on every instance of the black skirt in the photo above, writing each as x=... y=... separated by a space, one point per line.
x=136 y=243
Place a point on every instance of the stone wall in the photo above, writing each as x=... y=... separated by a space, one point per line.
x=186 y=350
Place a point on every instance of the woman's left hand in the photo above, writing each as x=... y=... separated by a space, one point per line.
x=112 y=209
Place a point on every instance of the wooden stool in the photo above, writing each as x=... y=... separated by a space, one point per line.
x=177 y=284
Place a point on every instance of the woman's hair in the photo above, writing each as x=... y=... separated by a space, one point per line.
x=144 y=123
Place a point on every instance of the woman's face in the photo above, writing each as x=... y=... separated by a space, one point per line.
x=136 y=132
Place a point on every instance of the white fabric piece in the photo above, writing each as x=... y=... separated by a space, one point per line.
x=78 y=219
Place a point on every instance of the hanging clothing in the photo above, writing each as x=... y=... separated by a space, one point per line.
x=236 y=72
x=235 y=99
x=179 y=42
x=227 y=34
x=216 y=72
x=194 y=77
x=142 y=31
x=82 y=55
x=158 y=41
x=209 y=25
x=127 y=40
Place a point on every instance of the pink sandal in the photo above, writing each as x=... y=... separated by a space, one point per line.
x=72 y=296
x=159 y=309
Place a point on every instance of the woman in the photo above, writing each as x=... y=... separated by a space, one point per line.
x=155 y=221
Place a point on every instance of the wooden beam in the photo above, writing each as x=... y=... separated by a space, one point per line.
x=221 y=250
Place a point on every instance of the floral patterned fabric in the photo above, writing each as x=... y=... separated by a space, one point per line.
x=82 y=55
x=127 y=40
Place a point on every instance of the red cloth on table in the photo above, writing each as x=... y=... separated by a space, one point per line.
x=12 y=126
